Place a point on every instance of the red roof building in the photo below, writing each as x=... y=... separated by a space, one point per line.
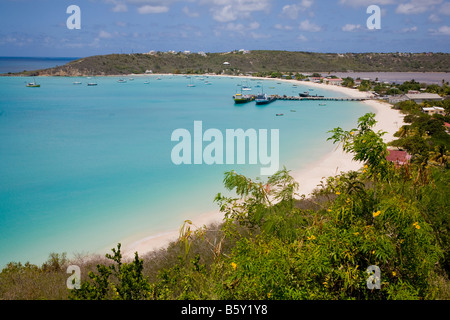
x=398 y=157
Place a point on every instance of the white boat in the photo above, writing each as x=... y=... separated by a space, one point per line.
x=33 y=84
x=121 y=81
x=191 y=84
x=76 y=82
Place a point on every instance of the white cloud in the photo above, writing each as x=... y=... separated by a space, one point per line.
x=445 y=9
x=302 y=38
x=121 y=24
x=239 y=27
x=231 y=10
x=407 y=30
x=308 y=26
x=120 y=7
x=434 y=18
x=366 y=3
x=190 y=14
x=444 y=30
x=292 y=10
x=416 y=6
x=104 y=34
x=282 y=27
x=225 y=14
x=255 y=35
x=351 y=27
x=148 y=9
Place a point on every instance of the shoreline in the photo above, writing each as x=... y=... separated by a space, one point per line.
x=331 y=164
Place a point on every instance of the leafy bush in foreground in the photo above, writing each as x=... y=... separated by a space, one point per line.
x=268 y=248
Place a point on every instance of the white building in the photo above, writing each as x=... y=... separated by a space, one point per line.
x=434 y=110
x=421 y=97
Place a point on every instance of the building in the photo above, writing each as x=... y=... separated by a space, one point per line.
x=398 y=157
x=397 y=98
x=421 y=97
x=447 y=127
x=336 y=82
x=434 y=110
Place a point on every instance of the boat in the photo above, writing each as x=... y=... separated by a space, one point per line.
x=322 y=104
x=33 y=84
x=191 y=84
x=307 y=95
x=243 y=98
x=77 y=82
x=245 y=88
x=264 y=98
x=280 y=114
x=121 y=81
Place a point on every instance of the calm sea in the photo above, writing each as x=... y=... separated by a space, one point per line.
x=20 y=64
x=83 y=167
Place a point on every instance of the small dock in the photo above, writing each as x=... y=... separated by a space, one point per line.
x=319 y=98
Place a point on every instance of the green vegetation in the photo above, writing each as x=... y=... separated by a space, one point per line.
x=262 y=62
x=272 y=246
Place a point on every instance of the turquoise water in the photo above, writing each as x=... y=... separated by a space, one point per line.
x=82 y=168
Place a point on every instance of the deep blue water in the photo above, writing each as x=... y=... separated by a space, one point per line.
x=20 y=64
x=82 y=168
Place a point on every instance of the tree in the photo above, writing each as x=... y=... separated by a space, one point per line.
x=119 y=281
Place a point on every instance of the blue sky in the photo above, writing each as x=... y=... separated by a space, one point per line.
x=38 y=27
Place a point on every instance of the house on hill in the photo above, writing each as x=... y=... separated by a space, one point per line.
x=434 y=110
x=398 y=157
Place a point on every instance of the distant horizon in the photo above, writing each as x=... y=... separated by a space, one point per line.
x=207 y=52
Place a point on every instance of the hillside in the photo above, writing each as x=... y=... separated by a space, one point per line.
x=253 y=62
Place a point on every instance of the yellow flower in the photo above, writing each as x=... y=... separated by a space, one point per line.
x=234 y=265
x=366 y=166
x=376 y=213
x=338 y=193
x=268 y=295
x=364 y=141
x=356 y=233
x=373 y=252
x=329 y=210
x=311 y=238
x=394 y=273
x=352 y=133
x=416 y=225
x=348 y=200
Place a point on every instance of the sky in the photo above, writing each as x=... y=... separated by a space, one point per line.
x=38 y=28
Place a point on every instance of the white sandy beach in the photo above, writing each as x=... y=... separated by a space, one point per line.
x=389 y=120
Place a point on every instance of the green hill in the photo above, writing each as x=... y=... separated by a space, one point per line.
x=254 y=62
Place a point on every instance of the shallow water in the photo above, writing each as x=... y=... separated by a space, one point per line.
x=82 y=168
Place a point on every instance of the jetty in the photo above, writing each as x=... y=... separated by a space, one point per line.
x=274 y=97
x=284 y=97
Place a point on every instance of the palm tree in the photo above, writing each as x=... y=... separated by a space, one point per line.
x=439 y=155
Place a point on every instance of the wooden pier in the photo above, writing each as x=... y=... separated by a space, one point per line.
x=320 y=98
